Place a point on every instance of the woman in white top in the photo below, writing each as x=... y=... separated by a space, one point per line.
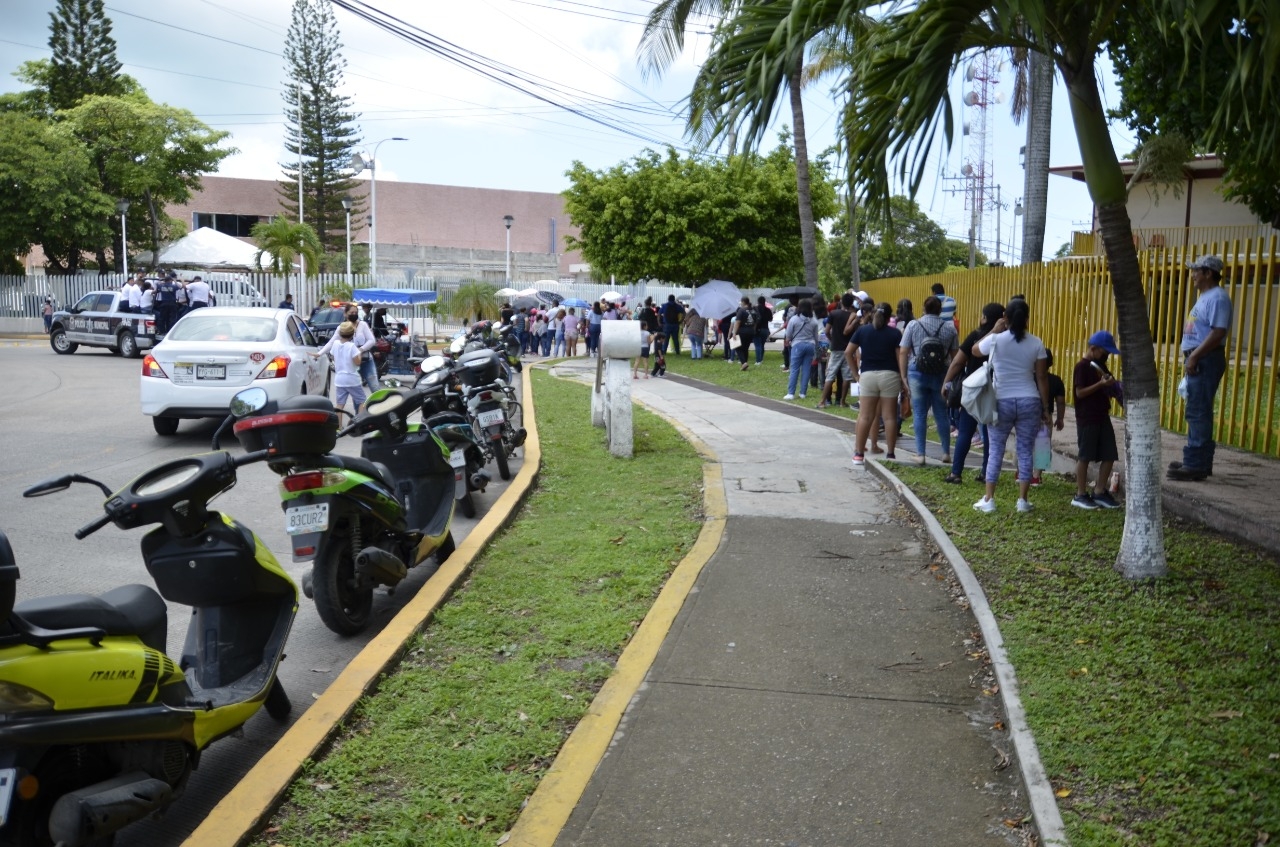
x=1021 y=367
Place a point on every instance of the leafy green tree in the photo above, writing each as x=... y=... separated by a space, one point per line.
x=473 y=300
x=687 y=220
x=899 y=101
x=84 y=54
x=319 y=125
x=283 y=240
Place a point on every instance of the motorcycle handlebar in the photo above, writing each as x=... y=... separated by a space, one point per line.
x=90 y=528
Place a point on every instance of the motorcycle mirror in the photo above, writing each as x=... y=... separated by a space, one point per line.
x=248 y=401
x=49 y=486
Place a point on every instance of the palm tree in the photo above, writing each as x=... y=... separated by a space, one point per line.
x=661 y=44
x=1033 y=99
x=474 y=299
x=899 y=101
x=283 y=241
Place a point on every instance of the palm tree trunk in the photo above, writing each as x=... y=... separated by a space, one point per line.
x=1142 y=553
x=856 y=277
x=808 y=239
x=1035 y=191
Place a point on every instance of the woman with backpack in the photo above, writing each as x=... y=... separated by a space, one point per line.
x=743 y=328
x=923 y=357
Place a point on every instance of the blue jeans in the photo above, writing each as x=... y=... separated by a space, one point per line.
x=1202 y=387
x=1020 y=415
x=546 y=343
x=559 y=347
x=926 y=394
x=761 y=338
x=801 y=359
x=593 y=339
x=964 y=439
x=695 y=346
x=369 y=372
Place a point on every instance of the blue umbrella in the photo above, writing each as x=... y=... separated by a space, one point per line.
x=576 y=302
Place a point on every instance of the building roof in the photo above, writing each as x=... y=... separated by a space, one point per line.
x=1199 y=167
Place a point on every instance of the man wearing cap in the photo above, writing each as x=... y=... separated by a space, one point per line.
x=1204 y=338
x=1095 y=436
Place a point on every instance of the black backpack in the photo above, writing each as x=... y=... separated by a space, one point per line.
x=932 y=358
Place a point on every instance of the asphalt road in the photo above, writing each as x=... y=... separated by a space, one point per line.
x=80 y=413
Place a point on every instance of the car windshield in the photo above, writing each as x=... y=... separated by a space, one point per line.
x=328 y=316
x=215 y=327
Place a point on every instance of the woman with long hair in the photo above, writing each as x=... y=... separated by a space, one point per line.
x=963 y=364
x=802 y=338
x=1021 y=367
x=875 y=346
x=593 y=329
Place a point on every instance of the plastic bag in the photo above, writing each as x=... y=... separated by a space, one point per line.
x=1042 y=456
x=1182 y=388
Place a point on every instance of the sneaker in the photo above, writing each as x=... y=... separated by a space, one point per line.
x=1105 y=500
x=859 y=460
x=789 y=397
x=920 y=459
x=1083 y=501
x=890 y=456
x=985 y=505
x=952 y=478
x=1177 y=466
x=1024 y=506
x=1036 y=481
x=946 y=458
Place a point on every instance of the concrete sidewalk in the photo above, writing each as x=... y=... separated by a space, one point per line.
x=823 y=684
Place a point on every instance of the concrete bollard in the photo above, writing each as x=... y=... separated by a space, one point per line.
x=619 y=344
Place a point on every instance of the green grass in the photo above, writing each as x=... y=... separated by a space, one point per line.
x=1155 y=705
x=458 y=736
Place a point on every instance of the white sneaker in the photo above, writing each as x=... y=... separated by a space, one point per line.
x=789 y=397
x=1024 y=506
x=985 y=505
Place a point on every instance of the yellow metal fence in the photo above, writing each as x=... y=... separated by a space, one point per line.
x=1071 y=299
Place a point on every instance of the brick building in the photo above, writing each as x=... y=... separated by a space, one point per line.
x=440 y=231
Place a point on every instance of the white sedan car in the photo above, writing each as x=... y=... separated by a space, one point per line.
x=212 y=353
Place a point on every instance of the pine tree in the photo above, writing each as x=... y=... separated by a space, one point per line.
x=84 y=53
x=319 y=123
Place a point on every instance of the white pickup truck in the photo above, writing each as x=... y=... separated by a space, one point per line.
x=95 y=321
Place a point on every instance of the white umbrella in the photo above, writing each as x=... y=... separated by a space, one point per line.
x=506 y=292
x=611 y=297
x=715 y=299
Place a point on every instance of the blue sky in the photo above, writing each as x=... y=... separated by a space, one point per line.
x=221 y=59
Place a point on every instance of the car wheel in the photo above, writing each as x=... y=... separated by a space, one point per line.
x=128 y=345
x=61 y=344
x=164 y=425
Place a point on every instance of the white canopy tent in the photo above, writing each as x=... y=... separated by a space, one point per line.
x=209 y=249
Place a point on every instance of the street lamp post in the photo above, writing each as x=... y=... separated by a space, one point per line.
x=122 y=206
x=1017 y=213
x=508 y=220
x=358 y=164
x=346 y=205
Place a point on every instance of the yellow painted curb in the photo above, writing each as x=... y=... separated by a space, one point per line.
x=558 y=793
x=248 y=806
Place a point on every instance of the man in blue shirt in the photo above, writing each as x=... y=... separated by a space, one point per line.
x=1204 y=338
x=672 y=317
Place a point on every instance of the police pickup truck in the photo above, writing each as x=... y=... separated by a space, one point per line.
x=95 y=321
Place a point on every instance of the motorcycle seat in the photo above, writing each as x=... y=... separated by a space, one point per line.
x=127 y=610
x=377 y=470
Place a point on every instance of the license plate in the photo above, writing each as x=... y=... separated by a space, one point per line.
x=211 y=371
x=493 y=417
x=8 y=776
x=300 y=519
x=457 y=459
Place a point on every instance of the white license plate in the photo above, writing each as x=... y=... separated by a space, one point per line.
x=457 y=459
x=493 y=417
x=211 y=371
x=300 y=519
x=8 y=776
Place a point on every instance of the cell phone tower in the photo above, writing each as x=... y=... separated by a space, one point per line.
x=981 y=77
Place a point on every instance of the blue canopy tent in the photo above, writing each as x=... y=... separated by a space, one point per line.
x=412 y=297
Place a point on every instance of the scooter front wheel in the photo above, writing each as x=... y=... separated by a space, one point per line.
x=467 y=506
x=344 y=605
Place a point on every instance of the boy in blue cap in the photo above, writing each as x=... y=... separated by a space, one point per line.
x=1095 y=436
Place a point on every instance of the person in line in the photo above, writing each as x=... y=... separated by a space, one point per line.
x=197 y=293
x=948 y=304
x=928 y=344
x=695 y=329
x=540 y=327
x=46 y=311
x=166 y=304
x=874 y=347
x=1204 y=345
x=802 y=337
x=593 y=329
x=744 y=329
x=1022 y=387
x=287 y=303
x=183 y=296
x=506 y=314
x=673 y=314
x=1095 y=436
x=346 y=367
x=659 y=355
x=964 y=363
x=787 y=315
x=841 y=324
x=520 y=321
x=726 y=327
x=556 y=329
x=572 y=326
x=764 y=315
x=647 y=315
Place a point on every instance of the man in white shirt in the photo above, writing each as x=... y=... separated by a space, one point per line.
x=197 y=293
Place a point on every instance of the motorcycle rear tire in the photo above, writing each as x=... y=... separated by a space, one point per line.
x=500 y=456
x=467 y=506
x=446 y=548
x=343 y=607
